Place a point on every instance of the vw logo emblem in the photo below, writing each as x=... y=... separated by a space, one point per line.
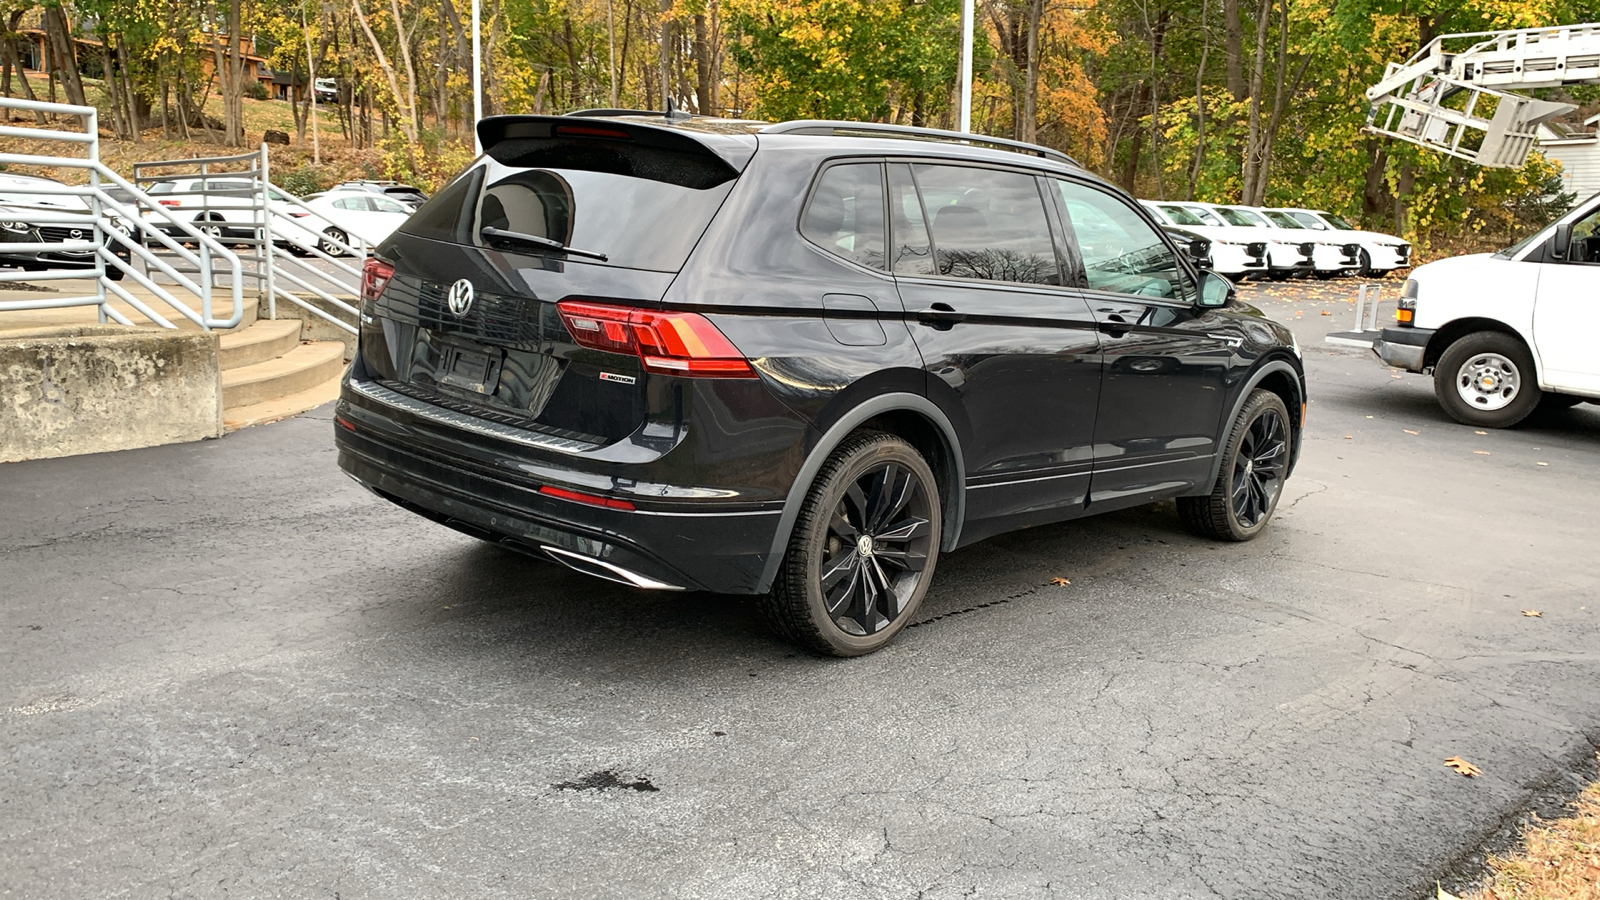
x=460 y=298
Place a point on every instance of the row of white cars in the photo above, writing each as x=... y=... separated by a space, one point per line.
x=1282 y=243
x=353 y=214
x=38 y=217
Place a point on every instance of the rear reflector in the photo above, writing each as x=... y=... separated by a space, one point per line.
x=580 y=497
x=375 y=277
x=668 y=343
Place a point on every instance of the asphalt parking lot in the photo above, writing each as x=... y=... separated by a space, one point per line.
x=227 y=671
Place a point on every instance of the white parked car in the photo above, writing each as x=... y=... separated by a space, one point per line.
x=1232 y=255
x=355 y=217
x=222 y=206
x=1504 y=333
x=1288 y=256
x=1380 y=253
x=1328 y=257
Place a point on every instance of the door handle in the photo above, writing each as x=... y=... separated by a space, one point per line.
x=941 y=316
x=1115 y=326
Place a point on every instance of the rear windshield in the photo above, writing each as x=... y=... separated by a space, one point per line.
x=637 y=222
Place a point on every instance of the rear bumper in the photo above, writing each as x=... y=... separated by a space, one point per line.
x=665 y=546
x=1403 y=348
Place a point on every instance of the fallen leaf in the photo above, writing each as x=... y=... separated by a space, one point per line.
x=1059 y=581
x=1369 y=417
x=1533 y=613
x=1349 y=437
x=1462 y=766
x=1541 y=464
x=1326 y=313
x=1483 y=453
x=1442 y=893
x=1409 y=431
x=1480 y=432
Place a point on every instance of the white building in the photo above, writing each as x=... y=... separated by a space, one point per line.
x=1578 y=151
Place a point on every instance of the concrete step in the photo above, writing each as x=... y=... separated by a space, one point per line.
x=283 y=407
x=262 y=341
x=302 y=368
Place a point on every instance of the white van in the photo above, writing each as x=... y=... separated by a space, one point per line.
x=1506 y=332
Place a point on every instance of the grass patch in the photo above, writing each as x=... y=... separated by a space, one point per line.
x=1560 y=860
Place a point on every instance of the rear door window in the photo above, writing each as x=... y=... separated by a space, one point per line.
x=1121 y=252
x=845 y=213
x=987 y=224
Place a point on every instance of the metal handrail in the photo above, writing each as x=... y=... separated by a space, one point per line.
x=105 y=234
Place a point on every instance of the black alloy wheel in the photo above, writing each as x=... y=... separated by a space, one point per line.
x=863 y=549
x=1250 y=480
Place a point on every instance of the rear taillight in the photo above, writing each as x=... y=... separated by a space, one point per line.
x=375 y=277
x=170 y=202
x=668 y=343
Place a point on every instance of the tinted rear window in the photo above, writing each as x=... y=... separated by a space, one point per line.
x=637 y=222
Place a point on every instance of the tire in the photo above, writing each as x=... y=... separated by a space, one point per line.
x=1255 y=462
x=212 y=227
x=1366 y=270
x=1280 y=274
x=1486 y=379
x=337 y=235
x=873 y=486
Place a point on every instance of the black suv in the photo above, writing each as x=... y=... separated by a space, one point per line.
x=800 y=360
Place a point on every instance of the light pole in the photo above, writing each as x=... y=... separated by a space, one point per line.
x=966 y=65
x=477 y=79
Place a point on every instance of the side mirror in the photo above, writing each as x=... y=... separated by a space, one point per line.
x=1200 y=253
x=1561 y=241
x=1215 y=291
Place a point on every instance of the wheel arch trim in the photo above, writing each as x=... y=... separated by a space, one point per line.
x=1456 y=329
x=1270 y=367
x=954 y=507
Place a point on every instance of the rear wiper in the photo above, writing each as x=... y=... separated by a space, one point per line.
x=500 y=234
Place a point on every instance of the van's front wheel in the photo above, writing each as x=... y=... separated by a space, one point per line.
x=1486 y=379
x=863 y=549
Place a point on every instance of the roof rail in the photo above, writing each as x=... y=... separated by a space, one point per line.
x=880 y=129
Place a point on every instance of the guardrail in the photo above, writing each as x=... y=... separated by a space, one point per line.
x=114 y=227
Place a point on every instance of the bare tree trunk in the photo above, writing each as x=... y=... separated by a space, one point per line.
x=63 y=54
x=1030 y=79
x=9 y=48
x=665 y=58
x=1252 y=143
x=611 y=53
x=1200 y=104
x=409 y=126
x=403 y=39
x=1233 y=47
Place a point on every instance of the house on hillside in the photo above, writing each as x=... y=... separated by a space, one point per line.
x=34 y=52
x=1577 y=148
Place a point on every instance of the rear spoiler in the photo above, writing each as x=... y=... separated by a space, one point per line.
x=521 y=140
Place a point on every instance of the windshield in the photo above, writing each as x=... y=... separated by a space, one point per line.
x=1283 y=220
x=1181 y=216
x=638 y=222
x=1521 y=245
x=1240 y=218
x=1337 y=222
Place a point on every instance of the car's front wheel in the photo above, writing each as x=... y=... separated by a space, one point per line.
x=1255 y=462
x=862 y=551
x=1486 y=379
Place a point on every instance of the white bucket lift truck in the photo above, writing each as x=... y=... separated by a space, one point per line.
x=1455 y=96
